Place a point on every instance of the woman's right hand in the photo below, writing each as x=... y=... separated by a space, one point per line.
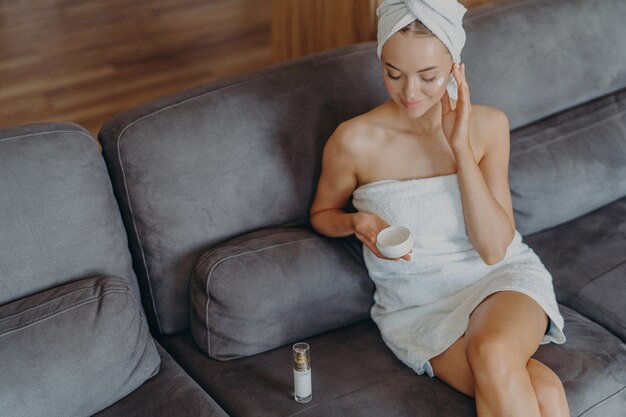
x=366 y=227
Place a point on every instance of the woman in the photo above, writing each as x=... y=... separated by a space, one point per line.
x=470 y=303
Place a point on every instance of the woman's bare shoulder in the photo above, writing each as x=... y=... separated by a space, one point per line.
x=489 y=119
x=490 y=127
x=359 y=133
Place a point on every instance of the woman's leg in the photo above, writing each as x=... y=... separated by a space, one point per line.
x=549 y=390
x=503 y=332
x=452 y=366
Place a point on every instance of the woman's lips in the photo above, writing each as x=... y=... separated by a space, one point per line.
x=412 y=104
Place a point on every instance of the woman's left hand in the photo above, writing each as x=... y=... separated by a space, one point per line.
x=455 y=123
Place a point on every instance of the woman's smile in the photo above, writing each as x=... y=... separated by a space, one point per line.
x=412 y=104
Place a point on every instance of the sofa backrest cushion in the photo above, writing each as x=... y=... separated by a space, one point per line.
x=205 y=165
x=220 y=161
x=569 y=164
x=74 y=350
x=533 y=58
x=59 y=220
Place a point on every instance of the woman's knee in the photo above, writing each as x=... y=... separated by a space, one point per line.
x=492 y=358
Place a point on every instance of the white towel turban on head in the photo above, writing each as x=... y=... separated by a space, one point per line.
x=442 y=17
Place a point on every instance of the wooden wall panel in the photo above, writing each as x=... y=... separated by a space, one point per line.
x=86 y=60
x=302 y=27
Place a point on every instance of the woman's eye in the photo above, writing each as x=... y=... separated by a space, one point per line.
x=430 y=80
x=392 y=77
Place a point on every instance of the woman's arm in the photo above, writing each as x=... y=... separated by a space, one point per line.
x=485 y=192
x=337 y=181
x=486 y=198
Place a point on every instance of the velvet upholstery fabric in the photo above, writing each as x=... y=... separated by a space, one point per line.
x=222 y=161
x=213 y=163
x=170 y=393
x=355 y=374
x=59 y=220
x=587 y=259
x=218 y=161
x=558 y=160
x=72 y=345
x=74 y=349
x=274 y=286
x=533 y=58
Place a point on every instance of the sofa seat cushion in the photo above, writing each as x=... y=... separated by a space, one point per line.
x=587 y=259
x=274 y=286
x=73 y=350
x=569 y=164
x=355 y=374
x=169 y=393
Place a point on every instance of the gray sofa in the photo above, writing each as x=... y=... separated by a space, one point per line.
x=73 y=335
x=212 y=188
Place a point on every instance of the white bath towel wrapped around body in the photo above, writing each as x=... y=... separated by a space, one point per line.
x=422 y=306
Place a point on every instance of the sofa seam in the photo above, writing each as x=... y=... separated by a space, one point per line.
x=602 y=402
x=568 y=134
x=60 y=297
x=26 y=135
x=577 y=295
x=601 y=113
x=600 y=275
x=215 y=265
x=143 y=255
x=598 y=311
x=69 y=308
x=230 y=244
x=225 y=87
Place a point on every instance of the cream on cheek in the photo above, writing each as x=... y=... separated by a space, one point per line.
x=433 y=88
x=439 y=85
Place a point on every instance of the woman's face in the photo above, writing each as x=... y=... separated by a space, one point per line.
x=416 y=71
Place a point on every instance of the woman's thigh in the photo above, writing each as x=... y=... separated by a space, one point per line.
x=509 y=319
x=452 y=368
x=511 y=315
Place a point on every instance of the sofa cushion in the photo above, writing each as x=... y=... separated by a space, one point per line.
x=170 y=393
x=355 y=374
x=59 y=220
x=191 y=171
x=587 y=259
x=569 y=164
x=275 y=286
x=73 y=350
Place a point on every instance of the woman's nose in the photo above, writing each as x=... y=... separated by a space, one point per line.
x=410 y=88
